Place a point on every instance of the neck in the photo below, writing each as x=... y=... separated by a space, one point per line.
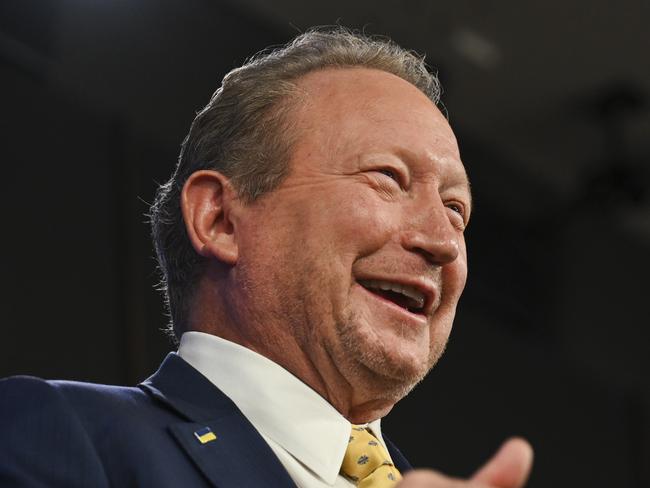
x=356 y=401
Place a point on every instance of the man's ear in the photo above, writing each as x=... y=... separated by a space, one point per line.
x=207 y=200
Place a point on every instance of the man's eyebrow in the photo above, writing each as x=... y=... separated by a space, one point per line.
x=468 y=186
x=459 y=177
x=461 y=180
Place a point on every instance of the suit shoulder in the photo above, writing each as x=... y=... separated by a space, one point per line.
x=25 y=390
x=42 y=438
x=76 y=391
x=26 y=401
x=19 y=389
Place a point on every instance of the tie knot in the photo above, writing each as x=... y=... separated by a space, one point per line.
x=366 y=462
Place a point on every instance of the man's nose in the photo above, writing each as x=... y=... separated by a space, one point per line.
x=432 y=234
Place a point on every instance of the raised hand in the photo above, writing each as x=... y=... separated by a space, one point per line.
x=508 y=468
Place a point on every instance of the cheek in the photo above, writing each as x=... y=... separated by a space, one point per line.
x=454 y=277
x=455 y=274
x=461 y=268
x=363 y=224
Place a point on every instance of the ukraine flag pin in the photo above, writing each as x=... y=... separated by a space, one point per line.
x=205 y=435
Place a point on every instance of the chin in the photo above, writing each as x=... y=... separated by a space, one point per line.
x=405 y=365
x=396 y=371
x=391 y=389
x=386 y=371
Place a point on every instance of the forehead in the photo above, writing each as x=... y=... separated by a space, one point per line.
x=349 y=112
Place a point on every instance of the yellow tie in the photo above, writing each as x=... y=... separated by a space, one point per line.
x=367 y=463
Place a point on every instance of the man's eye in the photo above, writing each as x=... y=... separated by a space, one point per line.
x=460 y=210
x=389 y=172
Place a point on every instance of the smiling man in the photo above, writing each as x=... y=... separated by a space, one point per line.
x=312 y=245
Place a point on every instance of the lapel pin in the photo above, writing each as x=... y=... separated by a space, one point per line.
x=205 y=435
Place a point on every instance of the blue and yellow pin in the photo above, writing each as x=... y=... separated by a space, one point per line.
x=205 y=435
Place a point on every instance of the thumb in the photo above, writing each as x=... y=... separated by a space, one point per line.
x=509 y=467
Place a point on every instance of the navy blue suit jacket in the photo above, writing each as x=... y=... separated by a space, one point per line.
x=70 y=434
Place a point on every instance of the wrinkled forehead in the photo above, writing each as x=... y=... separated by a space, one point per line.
x=370 y=109
x=360 y=89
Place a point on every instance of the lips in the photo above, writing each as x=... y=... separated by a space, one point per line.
x=406 y=296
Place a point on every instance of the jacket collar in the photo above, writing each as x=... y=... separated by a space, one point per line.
x=400 y=462
x=238 y=456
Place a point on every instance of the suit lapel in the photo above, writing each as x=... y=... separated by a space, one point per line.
x=238 y=456
x=401 y=463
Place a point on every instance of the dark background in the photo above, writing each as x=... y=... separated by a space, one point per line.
x=550 y=104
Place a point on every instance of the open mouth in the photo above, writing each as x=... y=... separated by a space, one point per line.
x=407 y=297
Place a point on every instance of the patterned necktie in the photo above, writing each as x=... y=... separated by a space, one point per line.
x=366 y=462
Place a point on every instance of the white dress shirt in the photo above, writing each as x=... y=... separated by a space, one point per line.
x=306 y=433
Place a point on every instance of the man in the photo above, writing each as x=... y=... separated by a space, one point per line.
x=311 y=242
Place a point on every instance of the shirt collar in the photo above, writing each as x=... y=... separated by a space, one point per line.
x=278 y=404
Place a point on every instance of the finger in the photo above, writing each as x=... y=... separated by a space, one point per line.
x=509 y=467
x=426 y=478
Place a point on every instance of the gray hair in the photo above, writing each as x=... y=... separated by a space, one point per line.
x=245 y=132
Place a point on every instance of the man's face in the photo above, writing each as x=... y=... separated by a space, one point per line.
x=359 y=255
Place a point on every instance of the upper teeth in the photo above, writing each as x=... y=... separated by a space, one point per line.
x=409 y=291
